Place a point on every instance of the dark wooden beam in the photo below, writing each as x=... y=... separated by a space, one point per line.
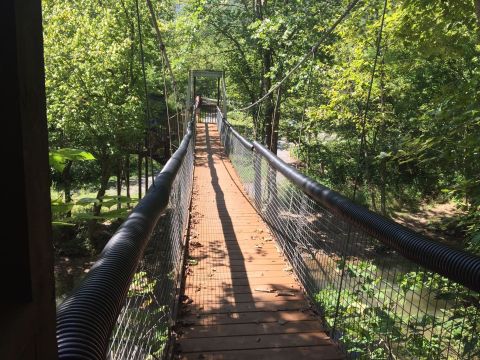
x=213 y=74
x=27 y=326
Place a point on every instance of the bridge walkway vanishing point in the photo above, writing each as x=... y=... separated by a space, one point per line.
x=240 y=297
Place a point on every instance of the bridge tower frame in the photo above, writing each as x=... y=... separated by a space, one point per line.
x=211 y=74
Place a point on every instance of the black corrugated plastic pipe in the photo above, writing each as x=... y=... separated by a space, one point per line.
x=239 y=137
x=85 y=320
x=454 y=264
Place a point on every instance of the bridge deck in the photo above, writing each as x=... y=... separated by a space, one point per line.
x=240 y=299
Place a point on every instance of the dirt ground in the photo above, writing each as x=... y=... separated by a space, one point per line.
x=438 y=221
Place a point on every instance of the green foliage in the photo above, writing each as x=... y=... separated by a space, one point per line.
x=151 y=314
x=80 y=208
x=96 y=100
x=373 y=326
x=60 y=207
x=141 y=285
x=192 y=262
x=58 y=158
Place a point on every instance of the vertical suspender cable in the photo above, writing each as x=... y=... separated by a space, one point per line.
x=367 y=103
x=305 y=57
x=161 y=46
x=362 y=145
x=304 y=108
x=166 y=104
x=147 y=104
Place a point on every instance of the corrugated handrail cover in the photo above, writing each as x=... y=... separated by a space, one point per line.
x=454 y=264
x=457 y=265
x=87 y=317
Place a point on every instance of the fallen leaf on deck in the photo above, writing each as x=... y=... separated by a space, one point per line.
x=266 y=290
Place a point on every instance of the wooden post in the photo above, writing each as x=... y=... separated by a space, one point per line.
x=27 y=329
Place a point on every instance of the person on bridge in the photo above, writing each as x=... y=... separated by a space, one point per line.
x=198 y=105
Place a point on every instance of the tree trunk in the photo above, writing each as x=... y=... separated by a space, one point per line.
x=477 y=12
x=119 y=184
x=127 y=177
x=276 y=122
x=67 y=185
x=267 y=57
x=383 y=192
x=139 y=173
x=373 y=198
x=104 y=177
x=146 y=174
x=269 y=108
x=383 y=164
x=161 y=47
x=92 y=224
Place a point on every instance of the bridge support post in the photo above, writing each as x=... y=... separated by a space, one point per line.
x=27 y=329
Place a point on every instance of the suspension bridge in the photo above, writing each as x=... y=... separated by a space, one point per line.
x=234 y=254
x=231 y=254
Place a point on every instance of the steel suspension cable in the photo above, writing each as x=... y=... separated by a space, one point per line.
x=145 y=88
x=369 y=94
x=304 y=108
x=161 y=46
x=304 y=58
x=359 y=162
x=166 y=106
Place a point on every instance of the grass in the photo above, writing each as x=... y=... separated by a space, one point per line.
x=83 y=200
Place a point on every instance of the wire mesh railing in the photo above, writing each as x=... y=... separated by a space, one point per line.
x=142 y=329
x=125 y=306
x=207 y=114
x=385 y=292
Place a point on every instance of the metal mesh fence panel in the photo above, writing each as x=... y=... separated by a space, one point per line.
x=376 y=303
x=142 y=329
x=207 y=114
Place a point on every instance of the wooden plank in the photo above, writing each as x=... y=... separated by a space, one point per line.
x=254 y=342
x=247 y=317
x=251 y=256
x=244 y=263
x=284 y=280
x=242 y=299
x=227 y=268
x=234 y=298
x=241 y=289
x=295 y=353
x=252 y=329
x=209 y=273
x=212 y=308
x=235 y=247
x=234 y=254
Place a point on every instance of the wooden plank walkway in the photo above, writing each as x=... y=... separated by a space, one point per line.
x=240 y=300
